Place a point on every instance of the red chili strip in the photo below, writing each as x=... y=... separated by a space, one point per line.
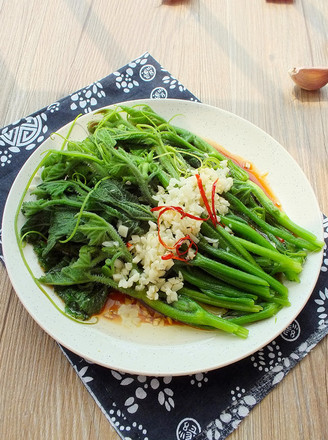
x=202 y=193
x=163 y=210
x=180 y=211
x=180 y=243
x=171 y=256
x=177 y=246
x=182 y=240
x=159 y=232
x=175 y=208
x=168 y=256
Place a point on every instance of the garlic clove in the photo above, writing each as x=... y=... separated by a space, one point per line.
x=309 y=78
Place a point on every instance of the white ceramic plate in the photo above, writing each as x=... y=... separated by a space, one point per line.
x=171 y=350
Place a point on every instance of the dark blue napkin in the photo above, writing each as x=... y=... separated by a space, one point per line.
x=204 y=406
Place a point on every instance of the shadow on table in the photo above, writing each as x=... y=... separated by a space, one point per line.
x=310 y=95
x=222 y=34
x=90 y=20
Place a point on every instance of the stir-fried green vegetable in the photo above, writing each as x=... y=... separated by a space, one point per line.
x=94 y=189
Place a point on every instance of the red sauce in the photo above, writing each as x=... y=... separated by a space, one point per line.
x=254 y=174
x=145 y=314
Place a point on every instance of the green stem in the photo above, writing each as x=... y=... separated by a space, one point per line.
x=222 y=269
x=285 y=235
x=205 y=297
x=247 y=232
x=233 y=244
x=203 y=280
x=269 y=310
x=286 y=262
x=244 y=265
x=282 y=217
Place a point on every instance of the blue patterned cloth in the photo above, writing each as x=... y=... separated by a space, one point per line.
x=204 y=406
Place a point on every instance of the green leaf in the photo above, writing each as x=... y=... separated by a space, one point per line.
x=83 y=301
x=78 y=271
x=61 y=226
x=113 y=193
x=56 y=189
x=39 y=222
x=95 y=229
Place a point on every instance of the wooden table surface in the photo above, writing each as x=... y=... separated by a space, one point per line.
x=232 y=54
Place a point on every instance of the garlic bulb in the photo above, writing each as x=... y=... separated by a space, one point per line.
x=309 y=78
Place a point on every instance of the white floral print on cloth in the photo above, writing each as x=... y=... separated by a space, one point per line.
x=198 y=379
x=142 y=387
x=147 y=72
x=126 y=79
x=266 y=358
x=120 y=421
x=158 y=93
x=241 y=404
x=141 y=61
x=82 y=373
x=54 y=107
x=25 y=134
x=173 y=83
x=322 y=309
x=88 y=98
x=324 y=267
